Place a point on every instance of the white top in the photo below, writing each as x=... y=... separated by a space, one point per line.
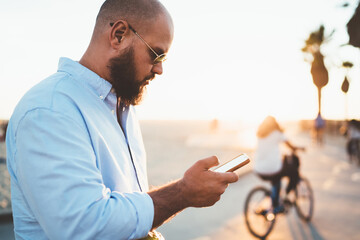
x=267 y=159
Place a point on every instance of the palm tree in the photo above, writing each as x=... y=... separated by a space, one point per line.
x=314 y=56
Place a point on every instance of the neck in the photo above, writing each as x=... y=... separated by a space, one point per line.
x=96 y=63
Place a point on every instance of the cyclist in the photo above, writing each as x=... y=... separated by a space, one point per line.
x=268 y=162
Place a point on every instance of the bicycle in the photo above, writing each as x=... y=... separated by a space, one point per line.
x=259 y=215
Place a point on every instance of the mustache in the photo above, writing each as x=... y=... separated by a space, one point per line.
x=148 y=78
x=151 y=77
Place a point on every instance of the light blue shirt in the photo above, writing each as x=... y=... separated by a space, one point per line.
x=72 y=175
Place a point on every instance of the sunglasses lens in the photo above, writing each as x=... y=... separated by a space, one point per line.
x=160 y=58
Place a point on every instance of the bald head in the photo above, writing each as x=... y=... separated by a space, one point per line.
x=138 y=13
x=116 y=45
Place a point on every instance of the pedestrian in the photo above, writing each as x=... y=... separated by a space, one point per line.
x=353 y=141
x=319 y=127
x=270 y=165
x=74 y=148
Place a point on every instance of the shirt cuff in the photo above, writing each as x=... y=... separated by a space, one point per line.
x=145 y=212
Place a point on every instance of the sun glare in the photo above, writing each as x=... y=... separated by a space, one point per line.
x=233 y=61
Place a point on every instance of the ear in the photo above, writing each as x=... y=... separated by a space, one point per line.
x=118 y=31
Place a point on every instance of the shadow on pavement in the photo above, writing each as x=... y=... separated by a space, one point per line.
x=316 y=235
x=301 y=230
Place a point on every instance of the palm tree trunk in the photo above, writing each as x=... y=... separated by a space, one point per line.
x=319 y=99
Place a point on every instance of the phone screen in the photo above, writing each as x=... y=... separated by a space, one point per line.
x=233 y=164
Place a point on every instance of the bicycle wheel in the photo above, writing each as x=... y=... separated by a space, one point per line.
x=258 y=217
x=304 y=202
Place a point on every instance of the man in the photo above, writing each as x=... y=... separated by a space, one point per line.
x=75 y=151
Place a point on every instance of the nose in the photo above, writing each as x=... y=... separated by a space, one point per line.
x=157 y=68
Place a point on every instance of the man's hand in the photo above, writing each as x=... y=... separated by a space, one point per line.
x=200 y=187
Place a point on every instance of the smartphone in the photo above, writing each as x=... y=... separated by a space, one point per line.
x=233 y=164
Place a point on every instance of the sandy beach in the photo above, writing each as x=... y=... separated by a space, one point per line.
x=173 y=146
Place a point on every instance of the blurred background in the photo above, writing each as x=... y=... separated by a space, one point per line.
x=231 y=64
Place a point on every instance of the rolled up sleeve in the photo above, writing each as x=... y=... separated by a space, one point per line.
x=57 y=171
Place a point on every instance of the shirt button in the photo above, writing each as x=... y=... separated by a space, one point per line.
x=112 y=111
x=101 y=97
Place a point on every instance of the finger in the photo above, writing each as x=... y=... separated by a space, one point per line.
x=230 y=177
x=209 y=162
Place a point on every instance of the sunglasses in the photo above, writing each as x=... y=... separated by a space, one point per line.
x=159 y=57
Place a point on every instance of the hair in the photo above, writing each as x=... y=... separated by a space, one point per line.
x=136 y=12
x=268 y=126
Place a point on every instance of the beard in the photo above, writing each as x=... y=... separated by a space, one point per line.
x=123 y=77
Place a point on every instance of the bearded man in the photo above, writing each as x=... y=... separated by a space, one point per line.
x=74 y=146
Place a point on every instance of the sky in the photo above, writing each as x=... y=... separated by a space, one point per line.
x=230 y=59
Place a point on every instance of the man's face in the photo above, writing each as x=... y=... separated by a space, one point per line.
x=134 y=67
x=123 y=74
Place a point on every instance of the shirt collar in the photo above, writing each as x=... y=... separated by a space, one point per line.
x=99 y=85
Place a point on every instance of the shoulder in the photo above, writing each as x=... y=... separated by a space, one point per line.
x=56 y=93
